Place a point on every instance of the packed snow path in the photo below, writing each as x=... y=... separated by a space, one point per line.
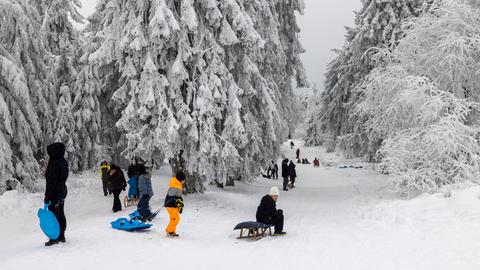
x=335 y=219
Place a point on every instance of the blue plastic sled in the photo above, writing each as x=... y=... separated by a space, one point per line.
x=129 y=225
x=48 y=222
x=133 y=187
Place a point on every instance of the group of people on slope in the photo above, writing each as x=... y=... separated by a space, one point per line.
x=140 y=181
x=113 y=182
x=272 y=171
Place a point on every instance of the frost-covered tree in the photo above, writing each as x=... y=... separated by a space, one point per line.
x=211 y=78
x=27 y=94
x=419 y=121
x=377 y=24
x=21 y=93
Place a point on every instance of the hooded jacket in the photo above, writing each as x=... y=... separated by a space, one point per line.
x=174 y=193
x=56 y=173
x=117 y=180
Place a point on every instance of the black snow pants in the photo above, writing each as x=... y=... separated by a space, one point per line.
x=285 y=183
x=276 y=221
x=117 y=205
x=57 y=208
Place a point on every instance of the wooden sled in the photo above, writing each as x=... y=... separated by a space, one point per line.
x=127 y=202
x=253 y=230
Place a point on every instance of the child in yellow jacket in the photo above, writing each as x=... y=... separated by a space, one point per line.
x=174 y=203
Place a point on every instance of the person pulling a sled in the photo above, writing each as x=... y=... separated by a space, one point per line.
x=56 y=175
x=174 y=202
x=267 y=212
x=116 y=183
x=104 y=169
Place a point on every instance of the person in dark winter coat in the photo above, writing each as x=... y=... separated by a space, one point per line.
x=56 y=175
x=274 y=170
x=104 y=168
x=268 y=213
x=116 y=183
x=298 y=153
x=285 y=173
x=292 y=172
x=136 y=168
x=291 y=144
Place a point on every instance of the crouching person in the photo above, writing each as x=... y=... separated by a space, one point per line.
x=268 y=213
x=174 y=203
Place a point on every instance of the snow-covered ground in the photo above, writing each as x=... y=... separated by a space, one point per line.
x=335 y=219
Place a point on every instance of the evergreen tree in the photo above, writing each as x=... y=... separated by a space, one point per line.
x=377 y=25
x=211 y=78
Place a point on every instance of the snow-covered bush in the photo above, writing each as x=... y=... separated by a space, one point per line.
x=427 y=158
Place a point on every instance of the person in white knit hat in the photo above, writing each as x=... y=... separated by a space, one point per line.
x=268 y=213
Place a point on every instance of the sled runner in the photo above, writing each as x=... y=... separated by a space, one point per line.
x=48 y=222
x=253 y=230
x=132 y=198
x=130 y=225
x=127 y=202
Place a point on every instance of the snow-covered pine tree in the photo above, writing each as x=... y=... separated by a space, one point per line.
x=22 y=73
x=197 y=76
x=62 y=45
x=377 y=24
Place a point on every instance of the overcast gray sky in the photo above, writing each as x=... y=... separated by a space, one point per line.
x=323 y=29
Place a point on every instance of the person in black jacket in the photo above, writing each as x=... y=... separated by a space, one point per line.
x=268 y=213
x=292 y=172
x=285 y=174
x=116 y=183
x=56 y=175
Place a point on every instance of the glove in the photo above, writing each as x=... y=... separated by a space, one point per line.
x=180 y=204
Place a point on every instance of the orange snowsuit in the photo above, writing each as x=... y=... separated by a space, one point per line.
x=171 y=204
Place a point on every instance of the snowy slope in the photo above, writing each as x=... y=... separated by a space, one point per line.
x=335 y=219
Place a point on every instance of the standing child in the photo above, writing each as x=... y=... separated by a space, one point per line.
x=104 y=168
x=145 y=191
x=174 y=202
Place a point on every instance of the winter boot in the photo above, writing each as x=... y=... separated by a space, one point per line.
x=52 y=242
x=172 y=234
x=279 y=233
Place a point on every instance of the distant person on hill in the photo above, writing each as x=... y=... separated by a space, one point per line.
x=292 y=172
x=298 y=153
x=291 y=144
x=316 y=163
x=104 y=168
x=285 y=174
x=56 y=175
x=268 y=213
x=116 y=183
